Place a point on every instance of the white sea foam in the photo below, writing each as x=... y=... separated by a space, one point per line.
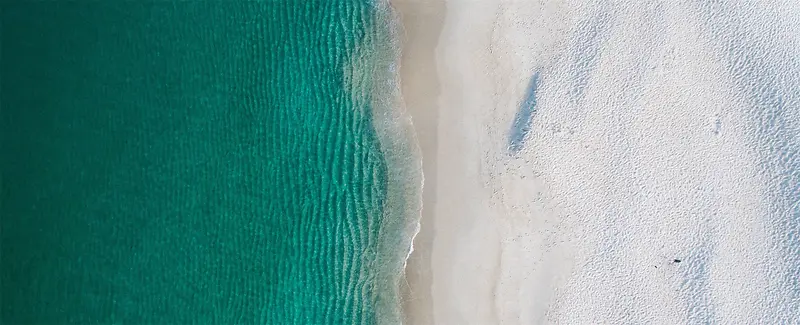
x=374 y=71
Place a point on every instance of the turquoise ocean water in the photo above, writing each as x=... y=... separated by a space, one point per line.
x=195 y=162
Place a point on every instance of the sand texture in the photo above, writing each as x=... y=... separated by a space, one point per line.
x=596 y=163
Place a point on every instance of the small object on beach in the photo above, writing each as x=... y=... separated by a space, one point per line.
x=676 y=261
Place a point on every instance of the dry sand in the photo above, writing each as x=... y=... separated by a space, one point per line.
x=642 y=151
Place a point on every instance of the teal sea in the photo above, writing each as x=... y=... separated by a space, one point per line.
x=197 y=162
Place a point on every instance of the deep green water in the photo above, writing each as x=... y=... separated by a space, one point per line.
x=188 y=162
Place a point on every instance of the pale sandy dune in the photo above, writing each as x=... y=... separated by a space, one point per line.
x=661 y=131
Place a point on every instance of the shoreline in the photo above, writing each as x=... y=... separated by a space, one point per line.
x=461 y=77
x=420 y=28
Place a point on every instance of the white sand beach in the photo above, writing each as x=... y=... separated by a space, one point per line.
x=650 y=187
